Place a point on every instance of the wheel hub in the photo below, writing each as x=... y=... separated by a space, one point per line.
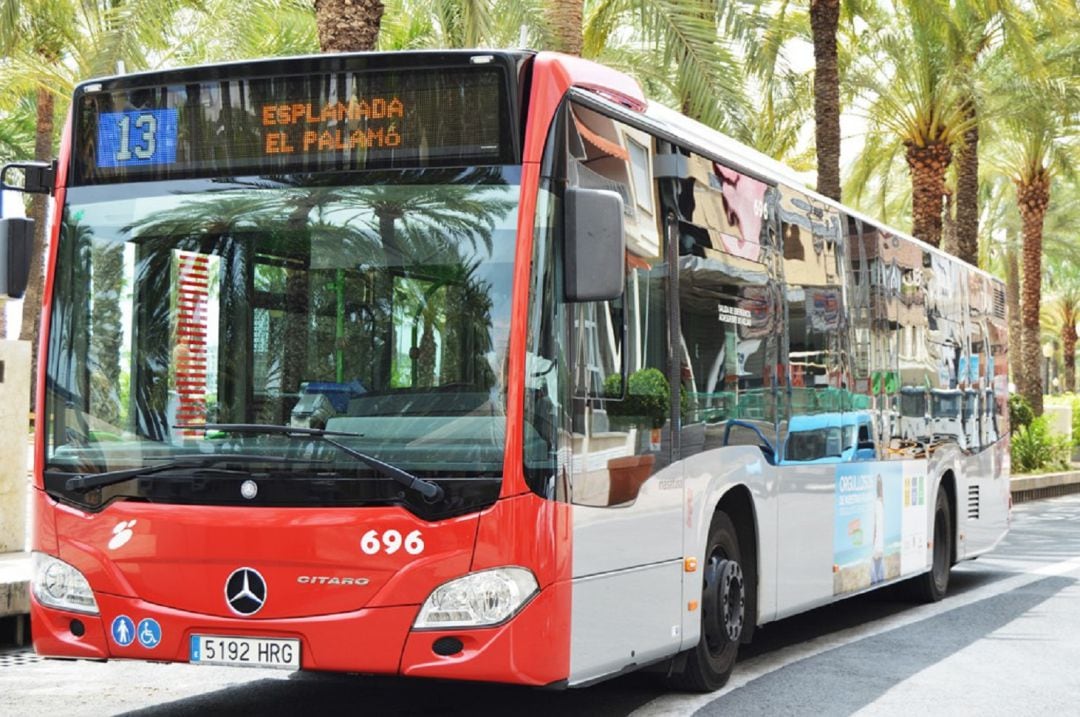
x=732 y=599
x=724 y=600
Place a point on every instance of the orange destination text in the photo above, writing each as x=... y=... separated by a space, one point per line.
x=321 y=139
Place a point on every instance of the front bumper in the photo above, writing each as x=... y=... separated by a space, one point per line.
x=373 y=640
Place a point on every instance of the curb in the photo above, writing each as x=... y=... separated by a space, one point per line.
x=1044 y=485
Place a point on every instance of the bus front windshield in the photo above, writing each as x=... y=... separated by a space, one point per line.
x=375 y=304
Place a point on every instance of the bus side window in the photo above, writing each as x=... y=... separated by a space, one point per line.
x=728 y=308
x=818 y=380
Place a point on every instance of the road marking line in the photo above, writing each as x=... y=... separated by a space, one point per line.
x=1057 y=568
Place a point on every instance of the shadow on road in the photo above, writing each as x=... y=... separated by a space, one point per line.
x=865 y=669
x=310 y=693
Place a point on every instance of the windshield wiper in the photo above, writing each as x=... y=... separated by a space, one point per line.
x=432 y=492
x=88 y=481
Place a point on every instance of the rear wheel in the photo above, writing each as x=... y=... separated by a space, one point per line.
x=707 y=666
x=933 y=585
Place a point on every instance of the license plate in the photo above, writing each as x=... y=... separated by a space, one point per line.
x=245 y=651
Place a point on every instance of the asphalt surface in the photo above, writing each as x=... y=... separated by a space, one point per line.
x=1006 y=641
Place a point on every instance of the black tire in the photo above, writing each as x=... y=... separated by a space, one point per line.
x=707 y=666
x=932 y=586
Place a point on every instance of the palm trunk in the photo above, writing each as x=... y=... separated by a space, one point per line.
x=39 y=204
x=564 y=18
x=824 y=19
x=948 y=223
x=1012 y=299
x=928 y=164
x=1033 y=196
x=967 y=192
x=1068 y=342
x=348 y=25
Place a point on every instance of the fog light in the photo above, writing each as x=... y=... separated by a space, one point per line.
x=446 y=646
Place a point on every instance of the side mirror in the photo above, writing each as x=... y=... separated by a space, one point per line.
x=38 y=177
x=16 y=244
x=594 y=261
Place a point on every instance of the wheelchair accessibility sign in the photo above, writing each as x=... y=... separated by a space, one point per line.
x=149 y=633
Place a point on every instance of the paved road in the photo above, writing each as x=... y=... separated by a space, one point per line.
x=1006 y=641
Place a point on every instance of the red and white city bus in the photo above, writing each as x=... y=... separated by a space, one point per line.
x=478 y=365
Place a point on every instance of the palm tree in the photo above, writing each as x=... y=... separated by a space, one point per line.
x=967 y=46
x=681 y=51
x=348 y=25
x=1002 y=256
x=829 y=25
x=564 y=18
x=1061 y=277
x=1033 y=151
x=915 y=103
x=30 y=33
x=17 y=114
x=238 y=29
x=413 y=24
x=48 y=46
x=775 y=126
x=1012 y=300
x=1062 y=312
x=824 y=20
x=985 y=38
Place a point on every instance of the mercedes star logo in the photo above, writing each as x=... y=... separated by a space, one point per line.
x=245 y=591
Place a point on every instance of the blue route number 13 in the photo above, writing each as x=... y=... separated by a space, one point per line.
x=137 y=138
x=146 y=124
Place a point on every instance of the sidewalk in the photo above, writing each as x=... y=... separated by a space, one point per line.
x=15 y=580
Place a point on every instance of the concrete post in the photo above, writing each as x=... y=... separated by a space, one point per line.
x=14 y=434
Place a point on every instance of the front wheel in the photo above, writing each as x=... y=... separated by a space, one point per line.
x=707 y=666
x=933 y=585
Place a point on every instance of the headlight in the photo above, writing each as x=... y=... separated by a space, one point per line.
x=478 y=600
x=57 y=584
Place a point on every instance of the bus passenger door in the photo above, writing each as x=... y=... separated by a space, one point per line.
x=627 y=494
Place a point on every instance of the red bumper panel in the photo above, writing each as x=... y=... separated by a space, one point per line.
x=518 y=651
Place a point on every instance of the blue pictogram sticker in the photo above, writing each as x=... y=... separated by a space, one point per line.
x=123 y=630
x=149 y=633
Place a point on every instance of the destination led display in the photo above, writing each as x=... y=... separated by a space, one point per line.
x=309 y=123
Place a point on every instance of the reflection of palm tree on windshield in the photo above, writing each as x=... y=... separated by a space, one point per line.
x=74 y=387
x=411 y=218
x=107 y=259
x=450 y=301
x=437 y=233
